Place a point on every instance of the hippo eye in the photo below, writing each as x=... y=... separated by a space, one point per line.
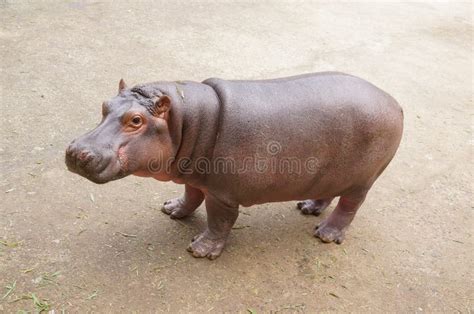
x=136 y=121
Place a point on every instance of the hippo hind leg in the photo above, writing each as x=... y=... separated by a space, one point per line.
x=314 y=207
x=332 y=229
x=185 y=205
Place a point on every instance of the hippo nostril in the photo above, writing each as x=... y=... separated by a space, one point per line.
x=83 y=158
x=83 y=155
x=70 y=152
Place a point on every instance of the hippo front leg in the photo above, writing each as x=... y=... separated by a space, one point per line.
x=185 y=205
x=220 y=219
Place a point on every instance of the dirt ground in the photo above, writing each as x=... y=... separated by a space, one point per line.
x=83 y=247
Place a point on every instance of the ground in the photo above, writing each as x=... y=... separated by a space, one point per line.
x=84 y=247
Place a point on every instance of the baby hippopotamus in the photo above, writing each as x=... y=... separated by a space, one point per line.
x=309 y=138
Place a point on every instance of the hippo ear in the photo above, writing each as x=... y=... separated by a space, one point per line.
x=122 y=86
x=162 y=105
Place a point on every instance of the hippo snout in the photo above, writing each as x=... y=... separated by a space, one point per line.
x=91 y=163
x=79 y=158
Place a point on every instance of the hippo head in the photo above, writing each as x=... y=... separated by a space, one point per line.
x=133 y=132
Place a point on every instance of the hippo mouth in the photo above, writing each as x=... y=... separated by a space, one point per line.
x=99 y=169
x=122 y=159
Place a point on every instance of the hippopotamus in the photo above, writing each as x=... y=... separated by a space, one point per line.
x=308 y=138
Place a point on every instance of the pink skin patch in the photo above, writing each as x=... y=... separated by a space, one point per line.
x=123 y=159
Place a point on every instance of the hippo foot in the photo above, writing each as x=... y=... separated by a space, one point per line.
x=176 y=208
x=205 y=245
x=313 y=207
x=327 y=233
